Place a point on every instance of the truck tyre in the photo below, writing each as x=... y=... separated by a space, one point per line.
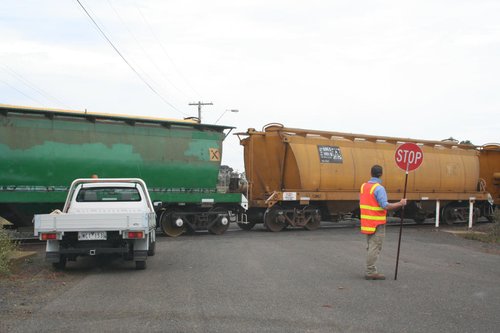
x=139 y=265
x=61 y=264
x=152 y=249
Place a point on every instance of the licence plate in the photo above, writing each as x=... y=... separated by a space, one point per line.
x=92 y=235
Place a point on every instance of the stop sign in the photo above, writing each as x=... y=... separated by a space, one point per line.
x=409 y=156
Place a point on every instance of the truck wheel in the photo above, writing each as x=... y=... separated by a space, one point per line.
x=128 y=256
x=139 y=265
x=152 y=249
x=61 y=264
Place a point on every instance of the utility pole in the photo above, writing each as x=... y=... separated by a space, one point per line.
x=199 y=109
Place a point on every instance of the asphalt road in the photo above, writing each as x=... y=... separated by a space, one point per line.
x=292 y=281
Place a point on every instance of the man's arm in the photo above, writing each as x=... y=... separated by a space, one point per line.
x=381 y=196
x=395 y=205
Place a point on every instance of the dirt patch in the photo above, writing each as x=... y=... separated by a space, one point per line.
x=482 y=236
x=31 y=284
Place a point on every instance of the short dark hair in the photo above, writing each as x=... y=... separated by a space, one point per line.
x=376 y=171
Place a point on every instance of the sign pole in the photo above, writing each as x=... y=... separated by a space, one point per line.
x=408 y=157
x=401 y=223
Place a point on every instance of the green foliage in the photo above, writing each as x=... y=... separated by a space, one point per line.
x=7 y=247
x=492 y=236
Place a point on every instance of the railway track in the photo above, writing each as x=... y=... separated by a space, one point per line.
x=25 y=236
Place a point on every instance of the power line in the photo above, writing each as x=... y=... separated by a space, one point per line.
x=138 y=66
x=31 y=85
x=166 y=53
x=22 y=93
x=125 y=60
x=144 y=51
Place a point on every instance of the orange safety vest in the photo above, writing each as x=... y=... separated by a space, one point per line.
x=372 y=214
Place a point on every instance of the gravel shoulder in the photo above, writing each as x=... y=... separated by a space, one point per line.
x=31 y=284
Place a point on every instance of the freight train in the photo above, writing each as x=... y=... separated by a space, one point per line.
x=295 y=177
x=43 y=150
x=299 y=177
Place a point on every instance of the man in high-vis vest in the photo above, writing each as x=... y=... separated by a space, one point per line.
x=373 y=205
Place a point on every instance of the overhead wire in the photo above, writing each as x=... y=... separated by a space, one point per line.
x=166 y=53
x=127 y=62
x=137 y=65
x=33 y=86
x=144 y=51
x=22 y=93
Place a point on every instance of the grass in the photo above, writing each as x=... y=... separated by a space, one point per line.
x=7 y=247
x=489 y=233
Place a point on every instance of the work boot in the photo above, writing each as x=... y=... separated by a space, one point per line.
x=375 y=276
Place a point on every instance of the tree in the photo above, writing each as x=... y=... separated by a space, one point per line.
x=450 y=139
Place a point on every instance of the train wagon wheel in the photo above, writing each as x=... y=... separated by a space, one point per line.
x=246 y=226
x=449 y=215
x=420 y=216
x=274 y=221
x=171 y=226
x=419 y=219
x=315 y=221
x=222 y=223
x=152 y=248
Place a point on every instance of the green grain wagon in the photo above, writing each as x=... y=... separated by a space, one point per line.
x=43 y=150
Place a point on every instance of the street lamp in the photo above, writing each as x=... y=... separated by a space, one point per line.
x=223 y=113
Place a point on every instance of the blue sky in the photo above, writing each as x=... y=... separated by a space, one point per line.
x=418 y=69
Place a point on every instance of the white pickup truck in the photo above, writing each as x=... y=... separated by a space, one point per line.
x=100 y=216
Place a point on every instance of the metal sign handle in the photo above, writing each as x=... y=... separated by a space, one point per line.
x=401 y=222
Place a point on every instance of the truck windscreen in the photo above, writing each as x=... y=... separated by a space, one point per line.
x=119 y=194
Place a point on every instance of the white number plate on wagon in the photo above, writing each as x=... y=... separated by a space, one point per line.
x=92 y=235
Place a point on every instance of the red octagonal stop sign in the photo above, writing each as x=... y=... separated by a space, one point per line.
x=409 y=156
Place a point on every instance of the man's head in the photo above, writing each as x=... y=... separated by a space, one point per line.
x=376 y=171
